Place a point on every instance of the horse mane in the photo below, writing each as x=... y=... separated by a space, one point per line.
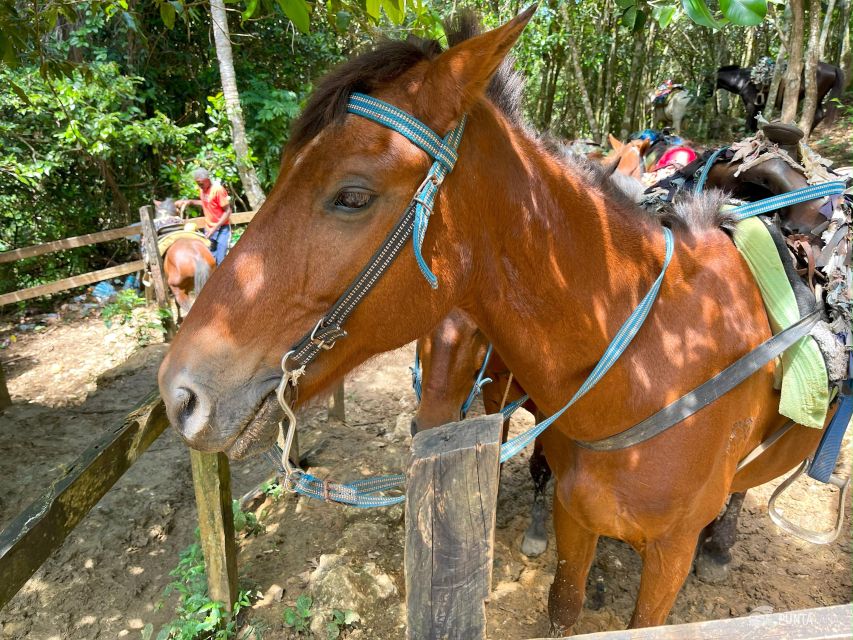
x=689 y=211
x=390 y=59
x=386 y=62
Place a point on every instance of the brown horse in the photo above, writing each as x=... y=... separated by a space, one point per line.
x=450 y=358
x=548 y=262
x=188 y=264
x=452 y=355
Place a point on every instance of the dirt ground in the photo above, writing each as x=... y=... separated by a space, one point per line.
x=107 y=580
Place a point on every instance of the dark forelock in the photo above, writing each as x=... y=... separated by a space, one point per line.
x=385 y=63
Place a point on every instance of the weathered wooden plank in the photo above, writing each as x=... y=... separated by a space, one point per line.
x=212 y=481
x=451 y=498
x=69 y=243
x=5 y=398
x=71 y=283
x=154 y=262
x=242 y=217
x=824 y=623
x=42 y=527
x=337 y=406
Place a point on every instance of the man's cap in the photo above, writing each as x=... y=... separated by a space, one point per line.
x=201 y=174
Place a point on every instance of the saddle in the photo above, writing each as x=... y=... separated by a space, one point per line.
x=173 y=229
x=795 y=274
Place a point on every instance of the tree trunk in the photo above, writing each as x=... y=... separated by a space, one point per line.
x=604 y=108
x=746 y=59
x=795 y=63
x=845 y=60
x=770 y=102
x=548 y=111
x=222 y=40
x=810 y=73
x=630 y=95
x=579 y=79
x=825 y=29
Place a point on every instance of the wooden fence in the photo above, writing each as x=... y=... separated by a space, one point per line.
x=86 y=278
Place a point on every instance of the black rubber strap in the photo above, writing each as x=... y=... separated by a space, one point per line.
x=330 y=328
x=709 y=391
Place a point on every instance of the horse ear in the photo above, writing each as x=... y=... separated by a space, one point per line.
x=614 y=142
x=644 y=146
x=458 y=77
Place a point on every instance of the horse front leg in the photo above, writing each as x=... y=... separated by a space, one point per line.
x=575 y=552
x=535 y=540
x=714 y=557
x=666 y=563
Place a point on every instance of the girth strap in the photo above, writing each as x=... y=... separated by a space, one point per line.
x=709 y=391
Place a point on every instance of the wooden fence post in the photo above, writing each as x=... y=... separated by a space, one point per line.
x=451 y=499
x=155 y=267
x=212 y=482
x=337 y=407
x=5 y=398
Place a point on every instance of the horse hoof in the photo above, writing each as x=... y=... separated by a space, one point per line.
x=533 y=546
x=711 y=570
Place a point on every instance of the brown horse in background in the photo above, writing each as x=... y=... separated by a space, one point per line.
x=188 y=264
x=546 y=259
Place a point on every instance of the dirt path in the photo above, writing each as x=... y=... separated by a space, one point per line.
x=107 y=579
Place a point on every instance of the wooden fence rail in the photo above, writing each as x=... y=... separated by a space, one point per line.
x=40 y=529
x=83 y=241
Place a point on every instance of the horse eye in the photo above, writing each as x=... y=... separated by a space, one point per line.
x=353 y=199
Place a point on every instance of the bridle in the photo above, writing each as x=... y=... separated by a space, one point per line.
x=329 y=329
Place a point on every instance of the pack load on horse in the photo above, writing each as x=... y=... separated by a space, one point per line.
x=752 y=84
x=554 y=266
x=670 y=102
x=187 y=260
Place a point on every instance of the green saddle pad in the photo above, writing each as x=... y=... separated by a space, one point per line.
x=805 y=384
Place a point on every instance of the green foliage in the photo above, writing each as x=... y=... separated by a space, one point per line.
x=299 y=617
x=273 y=489
x=245 y=521
x=128 y=309
x=197 y=616
x=340 y=621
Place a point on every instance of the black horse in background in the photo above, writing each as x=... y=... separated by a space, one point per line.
x=737 y=79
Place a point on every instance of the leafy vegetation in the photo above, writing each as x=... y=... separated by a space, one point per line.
x=299 y=617
x=113 y=102
x=129 y=309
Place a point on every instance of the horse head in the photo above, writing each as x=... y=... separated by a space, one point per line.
x=450 y=357
x=344 y=182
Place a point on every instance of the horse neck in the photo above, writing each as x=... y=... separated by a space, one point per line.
x=568 y=264
x=733 y=80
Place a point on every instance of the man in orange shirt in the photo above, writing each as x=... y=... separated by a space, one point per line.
x=216 y=206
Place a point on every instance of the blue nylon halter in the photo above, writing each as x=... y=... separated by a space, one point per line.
x=442 y=150
x=479 y=382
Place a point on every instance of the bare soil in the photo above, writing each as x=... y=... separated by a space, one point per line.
x=106 y=581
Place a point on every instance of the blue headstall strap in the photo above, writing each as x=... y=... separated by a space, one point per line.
x=443 y=151
x=417 y=375
x=479 y=382
x=615 y=349
x=796 y=196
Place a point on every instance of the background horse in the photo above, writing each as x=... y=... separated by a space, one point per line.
x=450 y=357
x=188 y=264
x=546 y=258
x=673 y=110
x=736 y=79
x=187 y=261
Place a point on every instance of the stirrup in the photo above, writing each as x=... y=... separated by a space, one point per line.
x=815 y=537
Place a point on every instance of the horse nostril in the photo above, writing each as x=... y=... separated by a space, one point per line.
x=187 y=402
